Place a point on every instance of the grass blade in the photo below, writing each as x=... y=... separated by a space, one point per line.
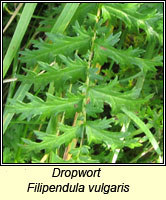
x=18 y=35
x=20 y=94
x=145 y=129
x=12 y=17
x=65 y=18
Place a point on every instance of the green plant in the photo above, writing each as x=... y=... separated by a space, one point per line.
x=93 y=81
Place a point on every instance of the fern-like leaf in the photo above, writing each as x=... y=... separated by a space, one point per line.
x=130 y=15
x=116 y=99
x=73 y=71
x=113 y=140
x=53 y=105
x=104 y=50
x=60 y=44
x=49 y=141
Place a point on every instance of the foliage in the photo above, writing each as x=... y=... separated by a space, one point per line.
x=89 y=89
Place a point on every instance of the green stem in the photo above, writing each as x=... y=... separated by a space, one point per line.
x=89 y=66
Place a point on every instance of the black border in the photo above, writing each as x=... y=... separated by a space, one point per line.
x=86 y=164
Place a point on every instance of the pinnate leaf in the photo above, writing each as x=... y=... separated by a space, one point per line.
x=53 y=105
x=113 y=140
x=116 y=99
x=50 y=141
x=74 y=70
x=103 y=51
x=130 y=15
x=60 y=44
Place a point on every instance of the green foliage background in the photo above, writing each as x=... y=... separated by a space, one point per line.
x=89 y=84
